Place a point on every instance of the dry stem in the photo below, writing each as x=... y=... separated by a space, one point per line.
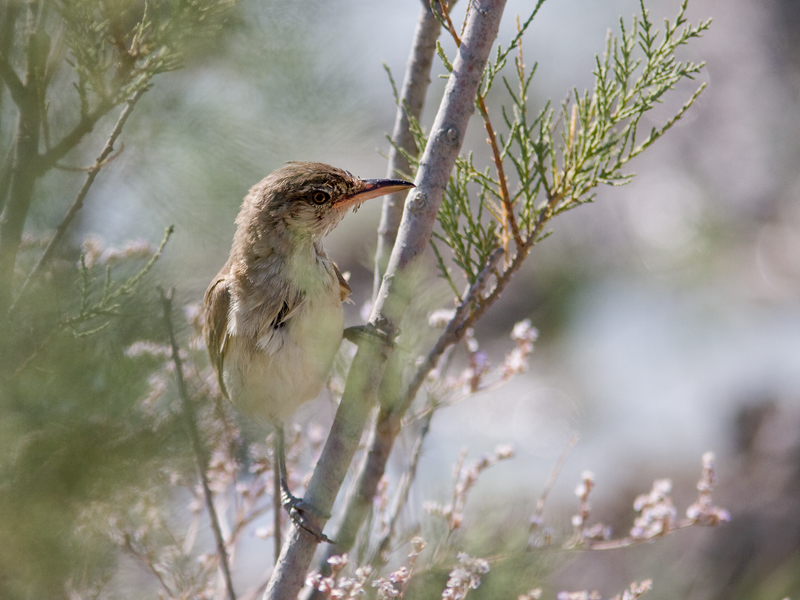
x=197 y=444
x=410 y=105
x=389 y=421
x=414 y=235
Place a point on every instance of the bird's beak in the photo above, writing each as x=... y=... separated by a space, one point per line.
x=372 y=189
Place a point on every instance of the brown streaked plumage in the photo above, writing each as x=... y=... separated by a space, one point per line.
x=273 y=314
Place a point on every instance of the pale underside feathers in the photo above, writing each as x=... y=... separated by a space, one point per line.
x=273 y=314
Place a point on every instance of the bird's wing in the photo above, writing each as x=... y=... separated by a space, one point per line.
x=217 y=303
x=264 y=316
x=344 y=287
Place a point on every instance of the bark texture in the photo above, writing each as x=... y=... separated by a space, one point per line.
x=412 y=100
x=395 y=293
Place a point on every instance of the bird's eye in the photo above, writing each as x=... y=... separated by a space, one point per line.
x=320 y=197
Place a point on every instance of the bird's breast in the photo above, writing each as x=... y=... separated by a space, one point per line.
x=277 y=367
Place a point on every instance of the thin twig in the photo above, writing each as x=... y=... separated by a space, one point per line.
x=77 y=204
x=627 y=542
x=61 y=148
x=450 y=27
x=5 y=174
x=95 y=166
x=536 y=519
x=465 y=315
x=509 y=221
x=146 y=561
x=197 y=444
x=408 y=478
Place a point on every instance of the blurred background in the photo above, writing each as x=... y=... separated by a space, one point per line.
x=668 y=310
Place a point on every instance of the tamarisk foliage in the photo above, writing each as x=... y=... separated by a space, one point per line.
x=488 y=222
x=70 y=438
x=559 y=157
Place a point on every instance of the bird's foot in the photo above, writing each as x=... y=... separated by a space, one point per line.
x=359 y=333
x=300 y=511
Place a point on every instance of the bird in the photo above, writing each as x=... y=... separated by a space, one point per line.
x=273 y=314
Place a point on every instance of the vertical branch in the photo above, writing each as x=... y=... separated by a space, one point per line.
x=474 y=304
x=78 y=202
x=26 y=153
x=197 y=444
x=412 y=99
x=8 y=20
x=404 y=488
x=5 y=170
x=395 y=293
x=536 y=518
x=389 y=421
x=507 y=215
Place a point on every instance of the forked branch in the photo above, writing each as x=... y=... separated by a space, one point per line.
x=394 y=296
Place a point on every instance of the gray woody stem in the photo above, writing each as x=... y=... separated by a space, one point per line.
x=200 y=455
x=412 y=99
x=389 y=420
x=414 y=234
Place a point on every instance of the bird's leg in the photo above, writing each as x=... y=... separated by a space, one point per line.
x=358 y=333
x=277 y=507
x=296 y=507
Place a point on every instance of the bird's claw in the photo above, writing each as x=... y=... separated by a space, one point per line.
x=299 y=511
x=357 y=333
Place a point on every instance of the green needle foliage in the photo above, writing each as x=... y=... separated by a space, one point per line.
x=107 y=305
x=117 y=46
x=72 y=434
x=560 y=156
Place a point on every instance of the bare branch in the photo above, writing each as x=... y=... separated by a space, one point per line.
x=394 y=296
x=389 y=421
x=78 y=202
x=71 y=139
x=449 y=22
x=7 y=73
x=410 y=104
x=408 y=478
x=470 y=309
x=102 y=164
x=26 y=152
x=15 y=86
x=5 y=174
x=507 y=217
x=197 y=444
x=536 y=518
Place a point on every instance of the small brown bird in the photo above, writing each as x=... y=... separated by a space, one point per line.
x=273 y=314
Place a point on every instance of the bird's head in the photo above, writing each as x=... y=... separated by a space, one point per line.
x=307 y=200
